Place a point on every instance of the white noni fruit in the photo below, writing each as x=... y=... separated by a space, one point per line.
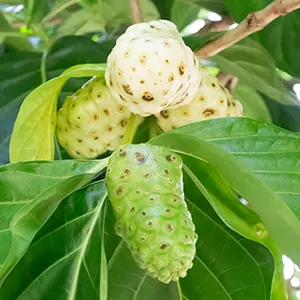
x=150 y=68
x=91 y=121
x=212 y=100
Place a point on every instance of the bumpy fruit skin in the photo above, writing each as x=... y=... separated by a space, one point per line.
x=91 y=121
x=145 y=187
x=151 y=68
x=212 y=100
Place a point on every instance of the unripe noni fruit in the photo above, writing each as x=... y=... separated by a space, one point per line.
x=151 y=68
x=212 y=100
x=145 y=187
x=91 y=121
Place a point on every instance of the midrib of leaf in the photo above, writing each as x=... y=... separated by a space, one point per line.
x=92 y=224
x=139 y=286
x=234 y=240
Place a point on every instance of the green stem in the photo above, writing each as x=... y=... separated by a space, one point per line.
x=43 y=66
x=130 y=130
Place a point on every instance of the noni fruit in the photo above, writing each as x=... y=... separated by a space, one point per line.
x=145 y=187
x=91 y=121
x=212 y=100
x=151 y=68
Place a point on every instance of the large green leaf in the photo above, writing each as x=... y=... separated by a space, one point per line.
x=216 y=274
x=30 y=192
x=281 y=223
x=20 y=73
x=66 y=259
x=33 y=133
x=280 y=38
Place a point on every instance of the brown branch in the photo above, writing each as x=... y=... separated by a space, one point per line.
x=216 y=26
x=136 y=11
x=254 y=22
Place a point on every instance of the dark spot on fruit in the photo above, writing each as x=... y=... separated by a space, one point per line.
x=168 y=210
x=233 y=103
x=127 y=89
x=110 y=128
x=66 y=129
x=78 y=126
x=186 y=237
x=126 y=171
x=213 y=85
x=140 y=157
x=78 y=152
x=185 y=221
x=91 y=150
x=78 y=117
x=147 y=175
x=121 y=97
x=96 y=117
x=185 y=114
x=147 y=96
x=202 y=98
x=137 y=192
x=79 y=140
x=171 y=77
x=119 y=191
x=195 y=61
x=173 y=127
x=167 y=44
x=165 y=92
x=152 y=199
x=170 y=180
x=122 y=152
x=149 y=223
x=96 y=138
x=171 y=158
x=143 y=58
x=142 y=82
x=163 y=246
x=106 y=111
x=108 y=145
x=132 y=209
x=133 y=69
x=208 y=112
x=144 y=214
x=73 y=105
x=86 y=98
x=130 y=228
x=167 y=172
x=122 y=177
x=123 y=123
x=167 y=61
x=170 y=227
x=181 y=68
x=175 y=200
x=99 y=95
x=164 y=114
x=180 y=87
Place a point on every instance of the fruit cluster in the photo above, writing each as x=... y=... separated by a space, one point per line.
x=150 y=71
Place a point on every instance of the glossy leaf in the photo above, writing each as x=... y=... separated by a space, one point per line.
x=30 y=193
x=33 y=133
x=278 y=223
x=66 y=259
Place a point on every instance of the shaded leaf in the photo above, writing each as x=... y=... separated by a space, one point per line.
x=253 y=104
x=66 y=259
x=30 y=192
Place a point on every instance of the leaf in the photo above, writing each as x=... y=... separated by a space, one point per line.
x=213 y=267
x=20 y=73
x=33 y=133
x=66 y=259
x=253 y=104
x=30 y=192
x=253 y=66
x=280 y=222
x=234 y=214
x=280 y=38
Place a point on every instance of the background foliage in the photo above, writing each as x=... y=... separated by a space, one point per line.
x=56 y=229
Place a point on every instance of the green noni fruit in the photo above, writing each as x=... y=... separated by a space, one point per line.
x=145 y=187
